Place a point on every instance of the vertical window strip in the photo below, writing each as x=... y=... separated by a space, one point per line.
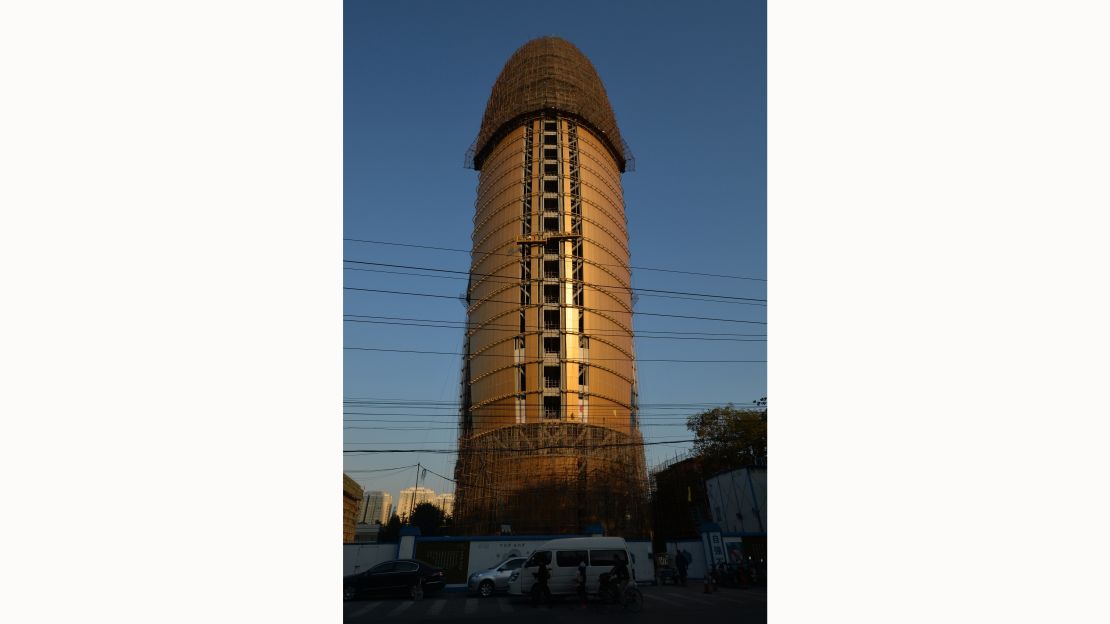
x=526 y=202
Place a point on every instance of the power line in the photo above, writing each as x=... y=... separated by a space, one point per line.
x=492 y=253
x=493 y=410
x=445 y=418
x=701 y=318
x=582 y=447
x=484 y=413
x=380 y=469
x=473 y=485
x=507 y=280
x=569 y=333
x=386 y=400
x=677 y=424
x=595 y=332
x=592 y=359
x=536 y=280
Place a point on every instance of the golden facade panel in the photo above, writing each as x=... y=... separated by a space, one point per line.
x=549 y=373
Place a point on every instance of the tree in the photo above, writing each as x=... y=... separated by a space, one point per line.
x=728 y=438
x=391 y=531
x=428 y=518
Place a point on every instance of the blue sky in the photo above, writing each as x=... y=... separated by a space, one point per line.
x=688 y=85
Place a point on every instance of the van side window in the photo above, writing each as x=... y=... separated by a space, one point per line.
x=537 y=558
x=607 y=557
x=570 y=558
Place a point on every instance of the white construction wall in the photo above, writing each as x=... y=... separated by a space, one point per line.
x=696 y=569
x=362 y=557
x=485 y=553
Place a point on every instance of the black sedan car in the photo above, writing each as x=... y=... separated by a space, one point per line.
x=402 y=577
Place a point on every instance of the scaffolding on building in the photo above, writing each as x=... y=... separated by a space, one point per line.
x=549 y=438
x=546 y=75
x=555 y=477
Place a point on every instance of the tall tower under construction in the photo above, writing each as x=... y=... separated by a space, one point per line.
x=549 y=437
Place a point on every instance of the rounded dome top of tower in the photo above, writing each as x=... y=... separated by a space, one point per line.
x=548 y=73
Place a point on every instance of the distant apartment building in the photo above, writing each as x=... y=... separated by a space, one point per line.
x=376 y=507
x=446 y=502
x=411 y=497
x=352 y=494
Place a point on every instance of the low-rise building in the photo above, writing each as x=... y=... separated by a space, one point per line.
x=352 y=494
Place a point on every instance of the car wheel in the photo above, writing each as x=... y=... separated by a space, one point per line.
x=485 y=589
x=348 y=593
x=417 y=591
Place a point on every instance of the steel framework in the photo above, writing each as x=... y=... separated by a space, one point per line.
x=549 y=438
x=552 y=478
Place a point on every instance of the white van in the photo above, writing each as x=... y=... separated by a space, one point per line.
x=562 y=556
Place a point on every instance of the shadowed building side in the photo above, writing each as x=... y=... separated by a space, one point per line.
x=549 y=434
x=352 y=495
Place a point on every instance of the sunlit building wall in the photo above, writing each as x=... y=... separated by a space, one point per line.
x=549 y=363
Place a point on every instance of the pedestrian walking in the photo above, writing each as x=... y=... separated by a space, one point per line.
x=580 y=582
x=540 y=591
x=680 y=562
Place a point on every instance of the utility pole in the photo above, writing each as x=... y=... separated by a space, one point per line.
x=412 y=504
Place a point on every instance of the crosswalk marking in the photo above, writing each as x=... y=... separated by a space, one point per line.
x=653 y=596
x=699 y=599
x=363 y=611
x=471 y=606
x=504 y=604
x=436 y=607
x=399 y=609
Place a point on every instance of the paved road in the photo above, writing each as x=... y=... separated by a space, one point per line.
x=661 y=604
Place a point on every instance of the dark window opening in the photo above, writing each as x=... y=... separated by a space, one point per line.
x=551 y=168
x=551 y=319
x=550 y=154
x=551 y=268
x=551 y=376
x=551 y=345
x=550 y=186
x=551 y=224
x=551 y=407
x=549 y=139
x=582 y=375
x=551 y=204
x=551 y=246
x=550 y=126
x=550 y=293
